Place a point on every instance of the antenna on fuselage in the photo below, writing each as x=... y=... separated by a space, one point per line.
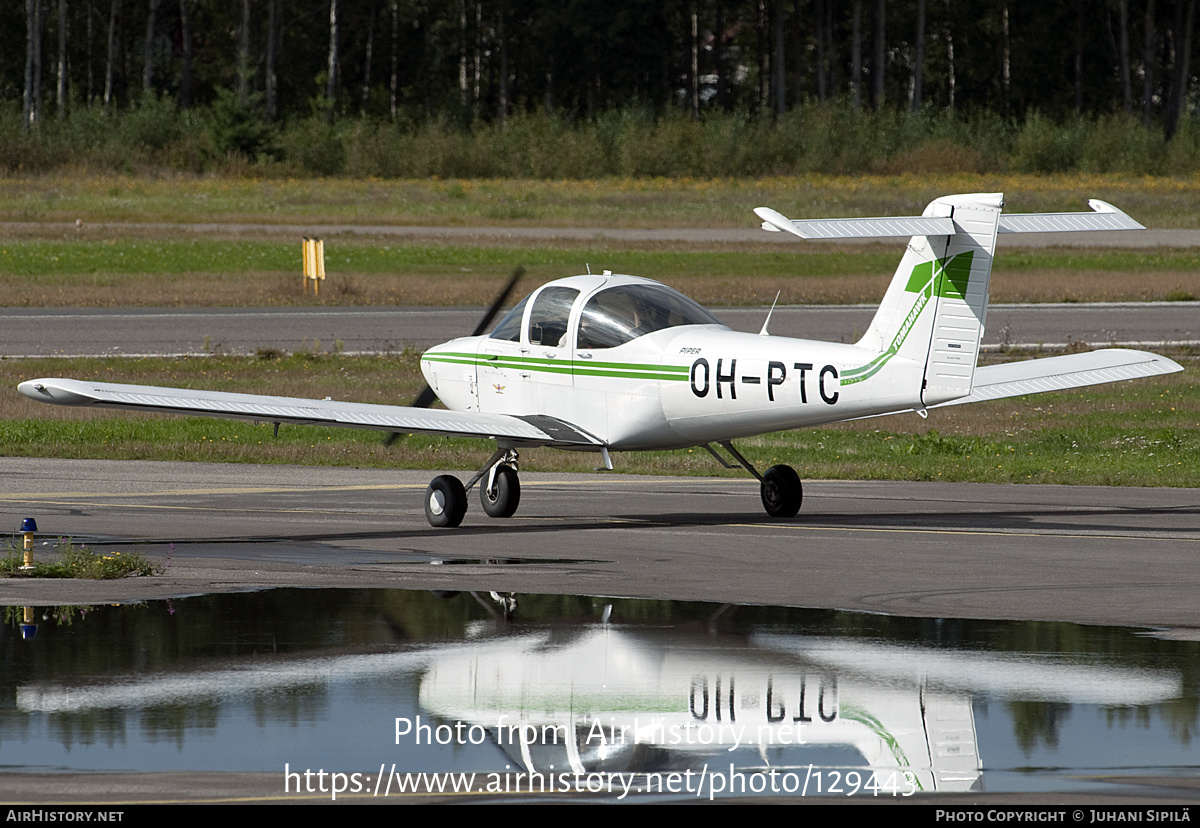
x=767 y=321
x=589 y=268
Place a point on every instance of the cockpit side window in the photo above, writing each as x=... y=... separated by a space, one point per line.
x=621 y=314
x=548 y=318
x=509 y=328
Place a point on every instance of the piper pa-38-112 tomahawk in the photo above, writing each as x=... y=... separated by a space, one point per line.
x=617 y=363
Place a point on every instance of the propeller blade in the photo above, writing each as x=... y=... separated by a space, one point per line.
x=517 y=273
x=427 y=396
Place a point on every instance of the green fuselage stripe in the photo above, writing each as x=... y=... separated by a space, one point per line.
x=588 y=368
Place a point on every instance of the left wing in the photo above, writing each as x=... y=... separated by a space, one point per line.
x=531 y=430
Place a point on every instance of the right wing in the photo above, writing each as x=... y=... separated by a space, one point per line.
x=529 y=430
x=1033 y=376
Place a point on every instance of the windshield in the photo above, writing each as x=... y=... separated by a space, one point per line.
x=620 y=314
x=510 y=326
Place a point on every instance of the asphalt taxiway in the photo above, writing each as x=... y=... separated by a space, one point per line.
x=1122 y=556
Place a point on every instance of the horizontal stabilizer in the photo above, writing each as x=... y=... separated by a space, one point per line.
x=1034 y=376
x=856 y=228
x=1103 y=217
x=264 y=409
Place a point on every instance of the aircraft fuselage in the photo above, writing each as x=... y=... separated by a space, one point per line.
x=677 y=387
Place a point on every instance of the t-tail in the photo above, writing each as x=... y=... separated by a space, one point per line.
x=935 y=309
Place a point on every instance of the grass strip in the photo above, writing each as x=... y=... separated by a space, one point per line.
x=211 y=273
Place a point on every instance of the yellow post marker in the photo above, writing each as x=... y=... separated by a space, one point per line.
x=319 y=258
x=307 y=260
x=314 y=264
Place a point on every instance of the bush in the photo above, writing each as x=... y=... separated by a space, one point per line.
x=77 y=561
x=152 y=123
x=1119 y=143
x=238 y=129
x=1045 y=147
x=315 y=146
x=635 y=141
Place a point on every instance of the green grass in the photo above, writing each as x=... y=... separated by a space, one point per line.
x=1140 y=433
x=64 y=262
x=73 y=560
x=128 y=272
x=57 y=262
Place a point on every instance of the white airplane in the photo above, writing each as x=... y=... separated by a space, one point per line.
x=617 y=363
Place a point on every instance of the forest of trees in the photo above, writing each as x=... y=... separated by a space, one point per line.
x=257 y=68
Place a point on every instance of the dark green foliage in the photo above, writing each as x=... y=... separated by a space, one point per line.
x=240 y=129
x=315 y=146
x=633 y=142
x=581 y=88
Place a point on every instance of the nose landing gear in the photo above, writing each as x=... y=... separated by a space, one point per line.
x=500 y=494
x=445 y=501
x=501 y=497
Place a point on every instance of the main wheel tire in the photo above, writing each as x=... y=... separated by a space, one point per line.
x=505 y=496
x=782 y=491
x=445 y=501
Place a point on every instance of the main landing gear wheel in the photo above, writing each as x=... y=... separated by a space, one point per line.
x=502 y=499
x=781 y=491
x=445 y=501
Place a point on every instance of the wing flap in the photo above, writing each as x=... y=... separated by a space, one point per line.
x=254 y=407
x=1035 y=376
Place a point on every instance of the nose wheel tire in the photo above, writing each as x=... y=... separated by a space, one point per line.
x=782 y=491
x=502 y=499
x=445 y=501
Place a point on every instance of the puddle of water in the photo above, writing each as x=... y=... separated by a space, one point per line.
x=571 y=691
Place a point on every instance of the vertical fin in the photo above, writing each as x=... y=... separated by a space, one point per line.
x=934 y=309
x=962 y=290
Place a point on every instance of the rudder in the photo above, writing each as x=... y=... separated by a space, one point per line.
x=961 y=310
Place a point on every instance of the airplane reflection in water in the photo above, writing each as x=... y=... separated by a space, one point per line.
x=613 y=697
x=631 y=700
x=615 y=700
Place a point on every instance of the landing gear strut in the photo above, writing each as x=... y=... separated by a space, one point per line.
x=500 y=494
x=501 y=497
x=780 y=488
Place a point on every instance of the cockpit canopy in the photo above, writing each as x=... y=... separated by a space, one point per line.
x=612 y=316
